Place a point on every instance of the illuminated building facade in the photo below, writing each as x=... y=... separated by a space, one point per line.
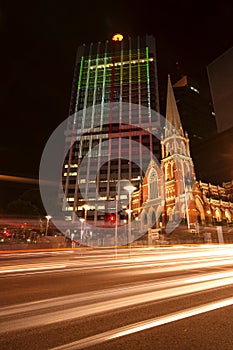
x=172 y=191
x=114 y=74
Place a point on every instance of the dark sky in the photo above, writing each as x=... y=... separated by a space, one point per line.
x=38 y=46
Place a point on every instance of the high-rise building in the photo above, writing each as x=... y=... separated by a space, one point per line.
x=220 y=74
x=114 y=93
x=196 y=111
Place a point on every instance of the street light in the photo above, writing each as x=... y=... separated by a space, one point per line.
x=86 y=208
x=48 y=217
x=130 y=189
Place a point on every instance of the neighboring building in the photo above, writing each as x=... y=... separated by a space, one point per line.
x=220 y=73
x=117 y=74
x=218 y=150
x=196 y=112
x=172 y=192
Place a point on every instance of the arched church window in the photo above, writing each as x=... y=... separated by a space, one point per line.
x=172 y=170
x=218 y=214
x=228 y=215
x=153 y=184
x=167 y=171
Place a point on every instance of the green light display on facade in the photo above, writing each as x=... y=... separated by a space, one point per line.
x=81 y=72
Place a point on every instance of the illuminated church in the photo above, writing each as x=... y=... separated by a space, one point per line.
x=170 y=193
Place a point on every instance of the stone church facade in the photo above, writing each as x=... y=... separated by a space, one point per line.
x=170 y=193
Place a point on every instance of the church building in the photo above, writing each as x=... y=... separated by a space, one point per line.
x=170 y=193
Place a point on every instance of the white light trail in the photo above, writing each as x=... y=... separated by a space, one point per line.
x=113 y=303
x=104 y=294
x=32 y=268
x=145 y=265
x=144 y=325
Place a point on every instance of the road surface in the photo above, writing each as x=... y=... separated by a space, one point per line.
x=159 y=298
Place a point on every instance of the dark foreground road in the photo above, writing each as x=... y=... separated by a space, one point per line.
x=161 y=298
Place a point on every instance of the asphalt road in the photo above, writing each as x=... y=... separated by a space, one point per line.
x=161 y=298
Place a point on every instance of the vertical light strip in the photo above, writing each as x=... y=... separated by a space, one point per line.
x=95 y=86
x=149 y=104
x=82 y=69
x=93 y=116
x=79 y=86
x=120 y=111
x=130 y=105
x=103 y=88
x=75 y=120
x=121 y=81
x=102 y=112
x=76 y=110
x=86 y=94
x=84 y=113
x=73 y=135
x=130 y=80
x=80 y=73
x=148 y=80
x=139 y=107
x=111 y=87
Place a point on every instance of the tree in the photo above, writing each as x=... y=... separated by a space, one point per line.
x=22 y=207
x=33 y=196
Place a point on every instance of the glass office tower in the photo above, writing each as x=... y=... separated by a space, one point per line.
x=115 y=88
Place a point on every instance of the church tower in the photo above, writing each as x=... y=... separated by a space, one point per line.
x=178 y=168
x=167 y=189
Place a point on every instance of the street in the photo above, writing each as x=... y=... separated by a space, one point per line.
x=151 y=298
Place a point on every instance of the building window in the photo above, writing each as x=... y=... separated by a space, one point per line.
x=153 y=184
x=218 y=214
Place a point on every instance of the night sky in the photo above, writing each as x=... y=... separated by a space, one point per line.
x=38 y=46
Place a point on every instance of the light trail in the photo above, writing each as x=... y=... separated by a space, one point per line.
x=139 y=269
x=96 y=296
x=178 y=266
x=145 y=265
x=144 y=325
x=19 y=179
x=32 y=268
x=27 y=180
x=23 y=253
x=114 y=302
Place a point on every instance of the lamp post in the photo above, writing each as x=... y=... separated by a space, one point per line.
x=130 y=189
x=81 y=233
x=125 y=223
x=86 y=208
x=116 y=226
x=48 y=217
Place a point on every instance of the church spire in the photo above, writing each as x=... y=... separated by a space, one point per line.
x=172 y=114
